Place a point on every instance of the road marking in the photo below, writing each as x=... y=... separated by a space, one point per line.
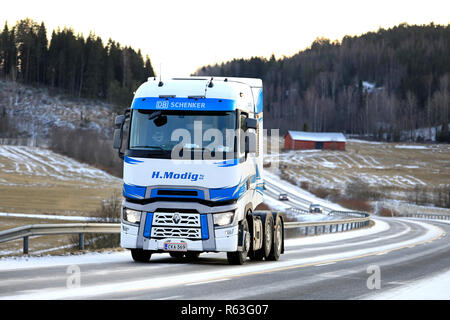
x=398 y=283
x=168 y=298
x=324 y=264
x=205 y=282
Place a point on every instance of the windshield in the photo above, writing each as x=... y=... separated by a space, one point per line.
x=172 y=134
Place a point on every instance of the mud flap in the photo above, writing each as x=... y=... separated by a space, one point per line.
x=241 y=237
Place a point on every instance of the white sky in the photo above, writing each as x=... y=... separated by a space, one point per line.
x=184 y=35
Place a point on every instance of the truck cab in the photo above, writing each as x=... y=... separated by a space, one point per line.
x=192 y=174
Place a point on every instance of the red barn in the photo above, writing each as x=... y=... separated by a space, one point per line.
x=301 y=140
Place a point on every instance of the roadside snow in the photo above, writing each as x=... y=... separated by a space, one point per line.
x=431 y=288
x=14 y=263
x=410 y=147
x=50 y=217
x=364 y=141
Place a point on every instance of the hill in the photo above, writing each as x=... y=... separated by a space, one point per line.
x=379 y=84
x=374 y=174
x=31 y=112
x=80 y=128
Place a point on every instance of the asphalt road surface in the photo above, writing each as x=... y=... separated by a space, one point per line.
x=356 y=264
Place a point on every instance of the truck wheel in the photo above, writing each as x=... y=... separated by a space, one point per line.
x=140 y=255
x=268 y=236
x=277 y=241
x=255 y=255
x=177 y=255
x=239 y=257
x=191 y=256
x=266 y=248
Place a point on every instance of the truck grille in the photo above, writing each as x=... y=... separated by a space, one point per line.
x=169 y=232
x=176 y=225
x=176 y=219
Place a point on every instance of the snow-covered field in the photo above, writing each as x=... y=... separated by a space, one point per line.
x=39 y=162
x=40 y=186
x=388 y=167
x=39 y=181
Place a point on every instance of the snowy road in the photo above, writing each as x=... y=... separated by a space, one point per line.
x=333 y=266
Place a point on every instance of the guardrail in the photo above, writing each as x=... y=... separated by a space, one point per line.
x=57 y=229
x=427 y=216
x=25 y=232
x=354 y=214
x=297 y=210
x=359 y=220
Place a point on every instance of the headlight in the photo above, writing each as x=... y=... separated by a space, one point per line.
x=223 y=219
x=131 y=216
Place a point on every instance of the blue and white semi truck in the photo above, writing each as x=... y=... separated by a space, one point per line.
x=192 y=174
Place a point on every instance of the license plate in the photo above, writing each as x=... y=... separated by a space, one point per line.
x=171 y=246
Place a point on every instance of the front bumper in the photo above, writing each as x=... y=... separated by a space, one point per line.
x=224 y=239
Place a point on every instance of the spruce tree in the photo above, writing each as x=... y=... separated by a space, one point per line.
x=41 y=54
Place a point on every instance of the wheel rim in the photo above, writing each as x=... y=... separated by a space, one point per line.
x=247 y=245
x=278 y=238
x=268 y=239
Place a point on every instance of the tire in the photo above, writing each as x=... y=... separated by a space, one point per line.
x=268 y=236
x=277 y=244
x=267 y=245
x=257 y=255
x=192 y=255
x=254 y=255
x=140 y=255
x=239 y=257
x=177 y=255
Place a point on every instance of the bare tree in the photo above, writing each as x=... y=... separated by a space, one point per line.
x=312 y=103
x=411 y=108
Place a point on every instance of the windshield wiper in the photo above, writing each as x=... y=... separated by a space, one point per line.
x=154 y=115
x=154 y=147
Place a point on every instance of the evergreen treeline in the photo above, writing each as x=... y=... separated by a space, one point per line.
x=83 y=67
x=328 y=87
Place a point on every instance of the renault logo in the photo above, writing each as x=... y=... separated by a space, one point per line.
x=176 y=218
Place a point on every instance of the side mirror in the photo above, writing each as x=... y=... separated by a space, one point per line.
x=250 y=143
x=117 y=143
x=118 y=122
x=251 y=123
